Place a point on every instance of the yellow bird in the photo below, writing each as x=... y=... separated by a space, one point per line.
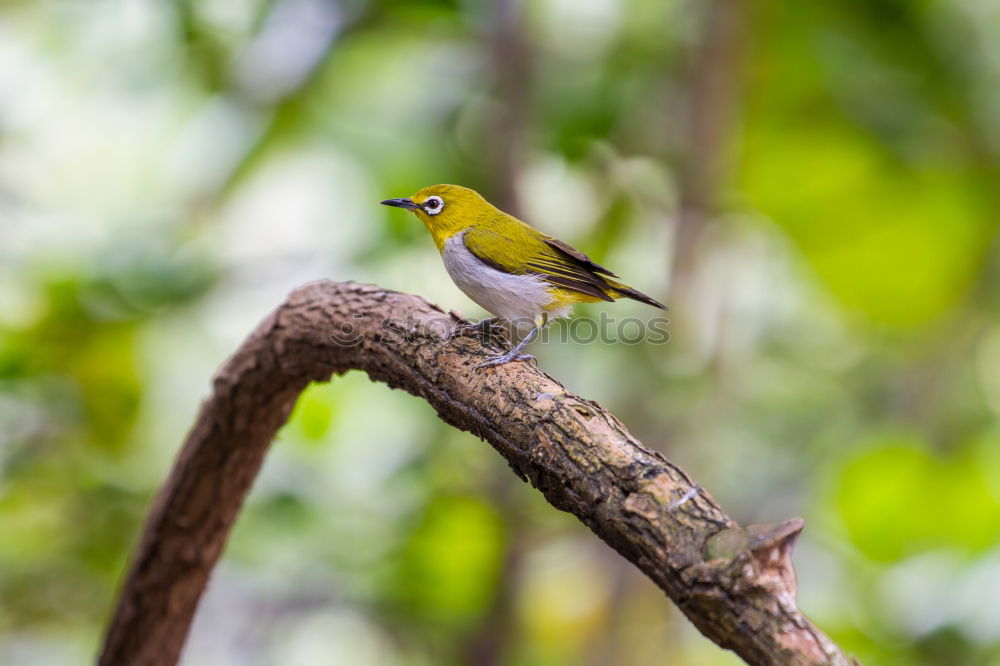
x=509 y=268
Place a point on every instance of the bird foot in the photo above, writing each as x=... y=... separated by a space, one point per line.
x=501 y=359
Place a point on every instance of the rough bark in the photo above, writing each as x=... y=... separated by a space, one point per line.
x=736 y=584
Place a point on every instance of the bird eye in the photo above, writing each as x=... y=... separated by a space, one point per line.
x=433 y=205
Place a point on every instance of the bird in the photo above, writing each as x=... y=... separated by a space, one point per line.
x=508 y=267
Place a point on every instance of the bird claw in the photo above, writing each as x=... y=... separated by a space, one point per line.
x=501 y=359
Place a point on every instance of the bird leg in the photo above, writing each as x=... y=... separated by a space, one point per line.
x=514 y=354
x=489 y=330
x=488 y=326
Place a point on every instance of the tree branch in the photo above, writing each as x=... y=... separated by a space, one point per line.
x=736 y=584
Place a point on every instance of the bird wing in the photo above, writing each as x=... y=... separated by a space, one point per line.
x=531 y=252
x=577 y=256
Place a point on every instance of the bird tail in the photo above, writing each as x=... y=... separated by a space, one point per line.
x=620 y=290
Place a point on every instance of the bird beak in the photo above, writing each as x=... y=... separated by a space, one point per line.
x=401 y=203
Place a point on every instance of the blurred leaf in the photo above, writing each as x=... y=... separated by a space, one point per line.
x=897 y=499
x=897 y=245
x=449 y=566
x=313 y=413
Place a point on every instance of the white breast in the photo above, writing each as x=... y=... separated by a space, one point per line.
x=511 y=297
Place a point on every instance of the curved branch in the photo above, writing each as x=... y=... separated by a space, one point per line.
x=736 y=584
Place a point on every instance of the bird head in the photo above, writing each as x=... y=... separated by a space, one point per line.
x=446 y=209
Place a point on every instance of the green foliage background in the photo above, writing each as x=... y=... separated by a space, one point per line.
x=169 y=171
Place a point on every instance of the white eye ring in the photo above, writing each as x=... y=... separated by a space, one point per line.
x=433 y=205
